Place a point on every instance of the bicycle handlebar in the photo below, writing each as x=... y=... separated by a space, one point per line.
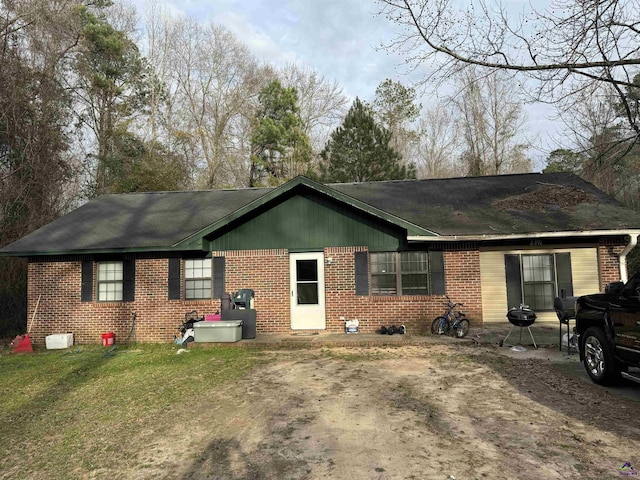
x=453 y=305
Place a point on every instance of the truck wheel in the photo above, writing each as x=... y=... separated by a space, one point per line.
x=598 y=357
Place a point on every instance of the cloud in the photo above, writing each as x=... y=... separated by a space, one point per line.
x=259 y=41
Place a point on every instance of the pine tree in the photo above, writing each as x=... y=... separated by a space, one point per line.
x=280 y=149
x=359 y=151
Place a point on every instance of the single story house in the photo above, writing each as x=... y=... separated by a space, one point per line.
x=385 y=253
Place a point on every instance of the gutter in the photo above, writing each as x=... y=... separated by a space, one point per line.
x=523 y=236
x=622 y=258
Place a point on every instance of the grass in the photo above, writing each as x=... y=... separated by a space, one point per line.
x=59 y=405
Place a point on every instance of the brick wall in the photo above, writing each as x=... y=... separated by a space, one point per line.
x=60 y=310
x=267 y=273
x=609 y=250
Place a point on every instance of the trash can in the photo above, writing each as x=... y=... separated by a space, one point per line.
x=248 y=317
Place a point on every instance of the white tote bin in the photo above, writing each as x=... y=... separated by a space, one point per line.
x=223 y=331
x=61 y=340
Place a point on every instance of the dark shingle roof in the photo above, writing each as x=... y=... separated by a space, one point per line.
x=508 y=204
x=134 y=221
x=497 y=204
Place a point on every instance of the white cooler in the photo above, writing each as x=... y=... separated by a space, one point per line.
x=61 y=340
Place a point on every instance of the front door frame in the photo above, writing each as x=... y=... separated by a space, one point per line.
x=307 y=316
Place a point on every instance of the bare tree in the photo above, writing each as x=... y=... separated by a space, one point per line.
x=567 y=47
x=490 y=124
x=322 y=103
x=212 y=83
x=438 y=144
x=598 y=146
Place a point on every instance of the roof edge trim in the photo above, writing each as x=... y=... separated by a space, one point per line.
x=97 y=251
x=517 y=236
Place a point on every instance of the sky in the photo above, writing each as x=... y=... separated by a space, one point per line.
x=341 y=40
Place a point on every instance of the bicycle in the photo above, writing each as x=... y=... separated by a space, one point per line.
x=452 y=322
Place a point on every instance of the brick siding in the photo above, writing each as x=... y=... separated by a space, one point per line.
x=60 y=309
x=609 y=250
x=58 y=285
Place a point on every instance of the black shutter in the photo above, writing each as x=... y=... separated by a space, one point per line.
x=174 y=279
x=514 y=280
x=436 y=271
x=86 y=292
x=218 y=276
x=563 y=273
x=129 y=280
x=361 y=260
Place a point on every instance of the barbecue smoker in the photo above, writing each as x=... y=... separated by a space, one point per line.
x=520 y=317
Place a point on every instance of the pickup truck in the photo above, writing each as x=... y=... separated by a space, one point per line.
x=608 y=329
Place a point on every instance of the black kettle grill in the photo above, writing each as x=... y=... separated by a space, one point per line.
x=520 y=317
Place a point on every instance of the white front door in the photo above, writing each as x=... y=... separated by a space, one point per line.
x=307 y=291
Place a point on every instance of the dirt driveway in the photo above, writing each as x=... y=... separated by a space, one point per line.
x=440 y=411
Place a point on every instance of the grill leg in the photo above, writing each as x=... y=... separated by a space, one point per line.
x=534 y=342
x=560 y=337
x=505 y=338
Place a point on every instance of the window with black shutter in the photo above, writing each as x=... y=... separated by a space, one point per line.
x=536 y=279
x=406 y=273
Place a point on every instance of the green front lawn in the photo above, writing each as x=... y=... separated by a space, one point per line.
x=64 y=413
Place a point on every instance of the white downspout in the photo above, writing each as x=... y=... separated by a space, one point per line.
x=622 y=258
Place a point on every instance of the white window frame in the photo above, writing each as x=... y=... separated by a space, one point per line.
x=535 y=280
x=397 y=272
x=196 y=279
x=110 y=281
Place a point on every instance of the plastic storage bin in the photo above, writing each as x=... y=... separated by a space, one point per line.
x=62 y=340
x=223 y=331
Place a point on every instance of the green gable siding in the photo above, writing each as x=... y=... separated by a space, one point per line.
x=309 y=222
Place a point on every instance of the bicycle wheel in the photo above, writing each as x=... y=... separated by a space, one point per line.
x=440 y=326
x=461 y=328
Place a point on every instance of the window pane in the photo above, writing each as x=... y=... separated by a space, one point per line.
x=197 y=268
x=539 y=296
x=537 y=268
x=110 y=292
x=414 y=284
x=306 y=270
x=109 y=271
x=197 y=289
x=308 y=293
x=383 y=285
x=383 y=262
x=413 y=262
